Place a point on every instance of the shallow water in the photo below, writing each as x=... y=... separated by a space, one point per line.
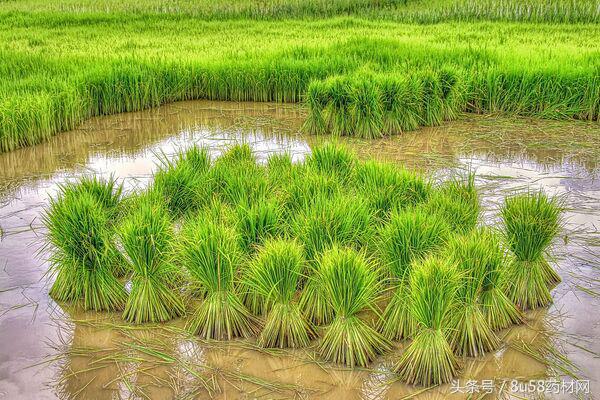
x=51 y=352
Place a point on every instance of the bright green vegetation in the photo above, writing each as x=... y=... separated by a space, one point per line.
x=301 y=254
x=531 y=222
x=362 y=67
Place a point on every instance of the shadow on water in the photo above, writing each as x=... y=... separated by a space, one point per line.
x=49 y=351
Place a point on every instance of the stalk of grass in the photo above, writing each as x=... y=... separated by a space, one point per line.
x=211 y=254
x=409 y=237
x=275 y=276
x=428 y=359
x=470 y=334
x=83 y=253
x=147 y=238
x=351 y=285
x=531 y=222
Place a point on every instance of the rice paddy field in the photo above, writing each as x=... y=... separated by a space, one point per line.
x=299 y=199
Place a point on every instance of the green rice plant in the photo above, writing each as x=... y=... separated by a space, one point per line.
x=304 y=187
x=470 y=334
x=339 y=116
x=198 y=159
x=432 y=100
x=147 y=238
x=211 y=254
x=332 y=158
x=499 y=311
x=388 y=187
x=183 y=188
x=83 y=252
x=343 y=220
x=453 y=92
x=280 y=169
x=317 y=97
x=409 y=237
x=106 y=191
x=257 y=222
x=457 y=202
x=275 y=276
x=401 y=99
x=351 y=285
x=428 y=359
x=531 y=222
x=366 y=109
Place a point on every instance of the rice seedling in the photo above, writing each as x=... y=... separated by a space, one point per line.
x=257 y=222
x=106 y=191
x=351 y=285
x=457 y=202
x=304 y=187
x=388 y=187
x=211 y=254
x=428 y=359
x=197 y=157
x=275 y=276
x=332 y=158
x=366 y=109
x=401 y=100
x=147 y=238
x=317 y=97
x=499 y=311
x=338 y=111
x=83 y=253
x=409 y=237
x=531 y=222
x=184 y=187
x=470 y=334
x=280 y=169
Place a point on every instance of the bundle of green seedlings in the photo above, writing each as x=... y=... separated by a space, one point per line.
x=331 y=246
x=531 y=222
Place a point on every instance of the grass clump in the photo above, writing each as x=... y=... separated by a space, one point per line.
x=429 y=359
x=147 y=238
x=351 y=286
x=470 y=333
x=275 y=276
x=409 y=237
x=457 y=202
x=211 y=254
x=84 y=255
x=257 y=222
x=332 y=158
x=531 y=222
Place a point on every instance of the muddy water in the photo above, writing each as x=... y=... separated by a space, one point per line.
x=48 y=351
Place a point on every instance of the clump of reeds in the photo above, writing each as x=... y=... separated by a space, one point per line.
x=84 y=254
x=470 y=333
x=211 y=254
x=147 y=238
x=408 y=237
x=351 y=286
x=429 y=359
x=275 y=276
x=531 y=222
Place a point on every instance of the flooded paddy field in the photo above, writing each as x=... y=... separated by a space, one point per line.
x=52 y=351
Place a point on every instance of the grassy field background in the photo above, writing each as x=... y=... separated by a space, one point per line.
x=62 y=62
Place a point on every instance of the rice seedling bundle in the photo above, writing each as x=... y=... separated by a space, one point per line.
x=470 y=334
x=429 y=359
x=257 y=222
x=409 y=237
x=84 y=257
x=531 y=222
x=147 y=238
x=331 y=158
x=275 y=276
x=351 y=285
x=211 y=254
x=457 y=202
x=401 y=102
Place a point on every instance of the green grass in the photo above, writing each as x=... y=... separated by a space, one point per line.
x=457 y=202
x=367 y=69
x=147 y=238
x=531 y=222
x=84 y=254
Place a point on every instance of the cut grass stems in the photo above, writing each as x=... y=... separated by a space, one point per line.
x=84 y=252
x=275 y=276
x=409 y=237
x=351 y=285
x=147 y=238
x=429 y=359
x=210 y=252
x=531 y=222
